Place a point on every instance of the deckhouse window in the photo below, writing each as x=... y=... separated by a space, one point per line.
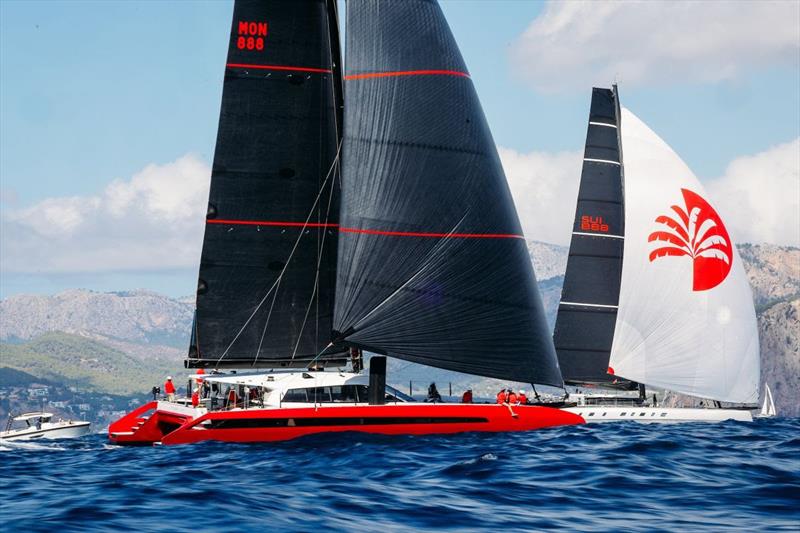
x=295 y=395
x=319 y=394
x=349 y=393
x=340 y=394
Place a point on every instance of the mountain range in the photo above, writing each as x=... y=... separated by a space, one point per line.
x=141 y=335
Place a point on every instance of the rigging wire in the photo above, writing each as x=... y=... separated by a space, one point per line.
x=335 y=62
x=286 y=265
x=316 y=281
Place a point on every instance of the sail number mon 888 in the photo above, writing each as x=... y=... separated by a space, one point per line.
x=251 y=35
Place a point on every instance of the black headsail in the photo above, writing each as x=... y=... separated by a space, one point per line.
x=588 y=309
x=267 y=273
x=432 y=264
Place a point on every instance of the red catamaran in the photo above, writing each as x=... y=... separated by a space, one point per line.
x=375 y=218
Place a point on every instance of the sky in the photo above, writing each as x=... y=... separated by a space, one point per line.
x=108 y=117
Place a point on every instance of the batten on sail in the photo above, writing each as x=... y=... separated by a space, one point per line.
x=588 y=309
x=686 y=320
x=432 y=264
x=267 y=272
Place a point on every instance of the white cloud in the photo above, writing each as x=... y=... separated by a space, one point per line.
x=152 y=221
x=155 y=219
x=545 y=190
x=759 y=195
x=579 y=44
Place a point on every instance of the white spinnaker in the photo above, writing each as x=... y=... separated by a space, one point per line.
x=701 y=343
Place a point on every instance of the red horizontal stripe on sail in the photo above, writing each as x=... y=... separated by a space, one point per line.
x=270 y=223
x=437 y=235
x=407 y=73
x=279 y=67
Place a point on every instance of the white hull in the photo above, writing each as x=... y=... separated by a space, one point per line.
x=59 y=430
x=655 y=415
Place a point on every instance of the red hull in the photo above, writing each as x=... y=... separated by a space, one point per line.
x=270 y=425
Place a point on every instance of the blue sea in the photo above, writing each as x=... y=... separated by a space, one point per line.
x=624 y=476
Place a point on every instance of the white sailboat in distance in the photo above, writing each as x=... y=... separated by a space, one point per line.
x=655 y=293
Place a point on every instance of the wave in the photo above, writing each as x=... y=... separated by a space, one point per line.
x=592 y=478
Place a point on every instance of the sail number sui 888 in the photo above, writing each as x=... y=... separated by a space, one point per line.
x=590 y=223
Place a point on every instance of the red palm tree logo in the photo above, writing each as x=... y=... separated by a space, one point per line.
x=697 y=232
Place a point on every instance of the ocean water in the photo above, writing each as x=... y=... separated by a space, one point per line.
x=625 y=476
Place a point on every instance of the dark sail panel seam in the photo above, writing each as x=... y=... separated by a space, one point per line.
x=434 y=235
x=367 y=75
x=407 y=144
x=280 y=67
x=271 y=223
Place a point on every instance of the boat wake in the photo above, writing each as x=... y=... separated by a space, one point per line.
x=45 y=445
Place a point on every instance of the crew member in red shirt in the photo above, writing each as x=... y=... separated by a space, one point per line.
x=169 y=389
x=501 y=396
x=232 y=398
x=511 y=397
x=467 y=397
x=521 y=398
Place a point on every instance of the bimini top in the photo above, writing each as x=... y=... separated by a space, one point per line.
x=32 y=416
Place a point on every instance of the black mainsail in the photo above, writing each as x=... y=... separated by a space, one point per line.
x=587 y=312
x=432 y=266
x=267 y=272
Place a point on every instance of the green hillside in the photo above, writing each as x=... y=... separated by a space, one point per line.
x=84 y=363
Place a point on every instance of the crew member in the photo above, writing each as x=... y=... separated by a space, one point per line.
x=467 y=397
x=511 y=397
x=169 y=389
x=522 y=398
x=433 y=394
x=196 y=397
x=232 y=398
x=502 y=396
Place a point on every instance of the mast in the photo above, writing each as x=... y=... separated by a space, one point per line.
x=334 y=40
x=267 y=272
x=432 y=264
x=590 y=295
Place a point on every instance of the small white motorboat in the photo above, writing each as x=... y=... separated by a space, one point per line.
x=40 y=426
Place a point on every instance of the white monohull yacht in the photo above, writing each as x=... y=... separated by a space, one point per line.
x=655 y=293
